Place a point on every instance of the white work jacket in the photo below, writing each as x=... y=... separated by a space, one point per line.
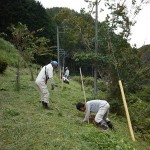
x=45 y=71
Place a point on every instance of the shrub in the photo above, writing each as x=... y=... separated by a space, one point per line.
x=77 y=79
x=3 y=64
x=144 y=94
x=139 y=111
x=89 y=81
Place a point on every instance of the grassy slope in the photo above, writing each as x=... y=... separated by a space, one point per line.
x=8 y=51
x=25 y=125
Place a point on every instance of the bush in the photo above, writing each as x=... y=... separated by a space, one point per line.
x=89 y=81
x=77 y=78
x=3 y=64
x=144 y=94
x=139 y=112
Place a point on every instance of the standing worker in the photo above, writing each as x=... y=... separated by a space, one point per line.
x=101 y=108
x=41 y=81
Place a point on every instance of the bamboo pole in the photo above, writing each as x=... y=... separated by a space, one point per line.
x=126 y=110
x=60 y=73
x=83 y=88
x=82 y=85
x=61 y=77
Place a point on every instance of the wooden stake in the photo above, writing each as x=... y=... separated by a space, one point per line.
x=83 y=88
x=60 y=73
x=82 y=85
x=62 y=82
x=61 y=77
x=126 y=110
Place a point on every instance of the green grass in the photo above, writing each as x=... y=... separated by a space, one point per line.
x=8 y=51
x=25 y=125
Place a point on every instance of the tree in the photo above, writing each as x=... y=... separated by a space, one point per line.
x=27 y=45
x=27 y=12
x=76 y=31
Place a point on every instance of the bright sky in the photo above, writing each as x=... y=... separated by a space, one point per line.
x=140 y=32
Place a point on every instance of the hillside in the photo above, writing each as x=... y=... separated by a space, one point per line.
x=8 y=51
x=25 y=125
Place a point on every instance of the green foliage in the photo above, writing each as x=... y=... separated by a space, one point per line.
x=28 y=12
x=119 y=18
x=34 y=17
x=28 y=44
x=77 y=78
x=105 y=141
x=102 y=92
x=92 y=58
x=139 y=108
x=144 y=54
x=126 y=67
x=89 y=81
x=3 y=64
x=144 y=93
x=139 y=112
x=77 y=29
x=116 y=105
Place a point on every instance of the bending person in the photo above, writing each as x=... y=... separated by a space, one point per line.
x=101 y=108
x=41 y=82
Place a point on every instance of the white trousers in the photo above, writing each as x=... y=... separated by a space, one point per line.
x=43 y=90
x=102 y=114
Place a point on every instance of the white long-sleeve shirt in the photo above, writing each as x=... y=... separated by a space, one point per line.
x=48 y=69
x=67 y=73
x=93 y=106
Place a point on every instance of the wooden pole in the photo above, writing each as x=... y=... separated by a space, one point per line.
x=126 y=110
x=61 y=77
x=60 y=73
x=82 y=85
x=83 y=88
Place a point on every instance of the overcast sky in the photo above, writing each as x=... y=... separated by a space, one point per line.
x=140 y=32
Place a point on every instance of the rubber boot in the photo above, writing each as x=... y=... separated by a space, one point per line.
x=110 y=125
x=103 y=125
x=45 y=105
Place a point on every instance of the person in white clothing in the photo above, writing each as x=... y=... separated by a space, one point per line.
x=66 y=76
x=66 y=80
x=101 y=108
x=66 y=72
x=41 y=82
